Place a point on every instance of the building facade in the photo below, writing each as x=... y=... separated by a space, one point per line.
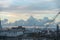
x=0 y=24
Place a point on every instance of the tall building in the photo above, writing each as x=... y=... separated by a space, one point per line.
x=0 y=24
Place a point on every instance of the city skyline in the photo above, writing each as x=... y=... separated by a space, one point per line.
x=31 y=21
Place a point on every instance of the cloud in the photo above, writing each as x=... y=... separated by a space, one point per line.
x=27 y=5
x=5 y=3
x=31 y=21
x=4 y=21
x=13 y=16
x=58 y=3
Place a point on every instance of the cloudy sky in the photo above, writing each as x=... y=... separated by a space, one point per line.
x=22 y=9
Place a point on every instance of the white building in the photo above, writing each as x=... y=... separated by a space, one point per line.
x=11 y=32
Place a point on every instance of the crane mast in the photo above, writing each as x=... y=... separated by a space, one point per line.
x=56 y=16
x=53 y=19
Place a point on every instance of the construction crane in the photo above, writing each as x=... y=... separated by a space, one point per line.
x=56 y=16
x=57 y=28
x=53 y=19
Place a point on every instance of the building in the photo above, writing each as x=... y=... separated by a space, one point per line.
x=11 y=32
x=0 y=24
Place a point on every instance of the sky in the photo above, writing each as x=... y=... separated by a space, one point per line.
x=22 y=9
